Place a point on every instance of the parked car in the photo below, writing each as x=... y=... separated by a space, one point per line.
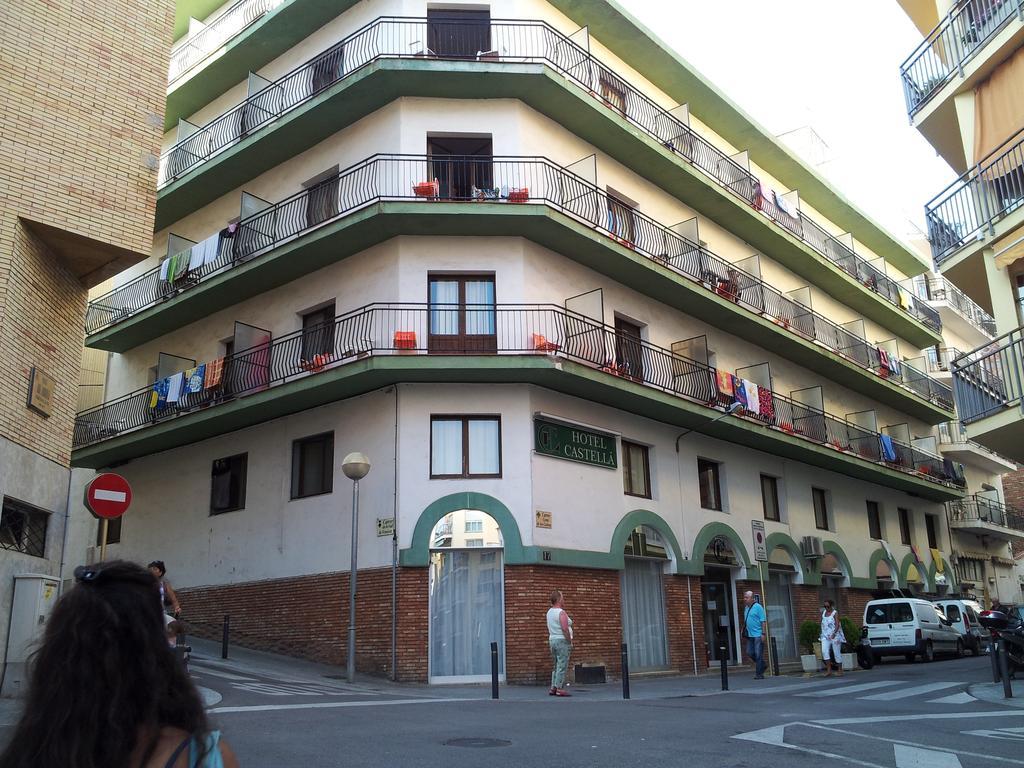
x=963 y=615
x=910 y=627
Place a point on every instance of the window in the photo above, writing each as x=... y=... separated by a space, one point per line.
x=709 y=481
x=620 y=218
x=904 y=515
x=313 y=465
x=465 y=446
x=462 y=314
x=930 y=526
x=458 y=33
x=889 y=613
x=318 y=332
x=474 y=542
x=874 y=520
x=629 y=349
x=113 y=531
x=23 y=527
x=953 y=613
x=463 y=167
x=820 y=499
x=613 y=91
x=636 y=470
x=770 y=498
x=227 y=484
x=474 y=526
x=970 y=570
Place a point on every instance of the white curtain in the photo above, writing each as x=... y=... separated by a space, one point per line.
x=465 y=613
x=446 y=447
x=643 y=613
x=483 y=447
x=780 y=614
x=444 y=321
x=480 y=321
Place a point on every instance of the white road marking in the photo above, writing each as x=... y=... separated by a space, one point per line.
x=930 y=716
x=858 y=734
x=915 y=757
x=765 y=690
x=1010 y=734
x=841 y=690
x=906 y=693
x=956 y=698
x=209 y=697
x=775 y=736
x=217 y=673
x=332 y=705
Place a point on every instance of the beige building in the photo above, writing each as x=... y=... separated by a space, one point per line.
x=82 y=87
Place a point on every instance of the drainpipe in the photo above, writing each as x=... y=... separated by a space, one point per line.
x=64 y=538
x=394 y=560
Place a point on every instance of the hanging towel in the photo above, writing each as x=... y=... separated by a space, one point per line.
x=767 y=406
x=759 y=196
x=888 y=448
x=175 y=384
x=195 y=259
x=937 y=559
x=194 y=379
x=158 y=399
x=164 y=268
x=751 y=398
x=725 y=383
x=894 y=365
x=785 y=206
x=181 y=261
x=904 y=299
x=214 y=373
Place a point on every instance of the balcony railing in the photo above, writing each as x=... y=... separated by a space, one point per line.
x=973 y=203
x=988 y=380
x=976 y=508
x=938 y=288
x=484 y=329
x=957 y=38
x=940 y=359
x=507 y=181
x=195 y=48
x=517 y=42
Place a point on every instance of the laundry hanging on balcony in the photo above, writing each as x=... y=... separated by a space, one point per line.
x=214 y=373
x=785 y=206
x=954 y=471
x=195 y=379
x=175 y=385
x=158 y=397
x=888 y=448
x=750 y=398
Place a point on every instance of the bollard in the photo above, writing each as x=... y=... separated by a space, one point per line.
x=725 y=667
x=494 y=670
x=1004 y=670
x=993 y=653
x=625 y=672
x=774 y=657
x=224 y=636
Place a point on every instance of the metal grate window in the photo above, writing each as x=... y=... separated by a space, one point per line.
x=23 y=528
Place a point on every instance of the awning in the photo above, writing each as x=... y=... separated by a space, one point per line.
x=937 y=559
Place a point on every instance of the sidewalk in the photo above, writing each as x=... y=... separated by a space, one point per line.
x=993 y=693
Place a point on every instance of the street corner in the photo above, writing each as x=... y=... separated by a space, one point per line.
x=993 y=693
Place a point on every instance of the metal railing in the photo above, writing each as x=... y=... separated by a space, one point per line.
x=517 y=42
x=983 y=509
x=940 y=359
x=506 y=181
x=938 y=288
x=988 y=380
x=195 y=48
x=977 y=200
x=954 y=41
x=457 y=330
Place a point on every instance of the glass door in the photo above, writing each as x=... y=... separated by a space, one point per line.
x=719 y=620
x=780 y=614
x=643 y=613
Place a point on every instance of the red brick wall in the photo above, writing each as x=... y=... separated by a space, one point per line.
x=678 y=618
x=1013 y=492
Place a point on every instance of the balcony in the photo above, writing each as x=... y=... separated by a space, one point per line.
x=955 y=444
x=986 y=517
x=193 y=49
x=958 y=311
x=987 y=385
x=390 y=57
x=381 y=344
x=940 y=362
x=386 y=195
x=980 y=207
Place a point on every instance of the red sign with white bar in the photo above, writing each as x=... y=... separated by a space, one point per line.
x=108 y=496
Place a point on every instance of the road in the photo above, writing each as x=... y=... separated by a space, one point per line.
x=898 y=715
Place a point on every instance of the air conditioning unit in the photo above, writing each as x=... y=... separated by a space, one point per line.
x=811 y=547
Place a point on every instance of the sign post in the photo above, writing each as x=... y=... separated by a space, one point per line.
x=107 y=496
x=761 y=557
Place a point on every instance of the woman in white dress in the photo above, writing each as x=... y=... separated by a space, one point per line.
x=832 y=640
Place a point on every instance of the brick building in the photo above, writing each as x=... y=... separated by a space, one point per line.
x=587 y=319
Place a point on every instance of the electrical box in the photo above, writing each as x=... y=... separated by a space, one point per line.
x=34 y=598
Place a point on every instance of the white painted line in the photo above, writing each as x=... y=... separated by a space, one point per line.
x=331 y=705
x=101 y=495
x=915 y=757
x=906 y=693
x=209 y=697
x=857 y=734
x=775 y=736
x=841 y=690
x=956 y=698
x=766 y=690
x=217 y=673
x=1010 y=734
x=931 y=716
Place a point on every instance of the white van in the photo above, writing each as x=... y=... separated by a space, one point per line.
x=963 y=615
x=904 y=626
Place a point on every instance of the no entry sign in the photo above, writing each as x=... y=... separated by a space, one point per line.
x=108 y=495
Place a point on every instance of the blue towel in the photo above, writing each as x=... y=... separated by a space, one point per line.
x=888 y=449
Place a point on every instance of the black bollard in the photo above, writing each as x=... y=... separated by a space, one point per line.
x=774 y=657
x=1004 y=670
x=625 y=672
x=993 y=653
x=225 y=630
x=725 y=667
x=494 y=670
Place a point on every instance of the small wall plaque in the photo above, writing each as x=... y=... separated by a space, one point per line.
x=40 y=391
x=543 y=519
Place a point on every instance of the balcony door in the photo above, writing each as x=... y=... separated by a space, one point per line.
x=458 y=34
x=462 y=314
x=461 y=166
x=629 y=350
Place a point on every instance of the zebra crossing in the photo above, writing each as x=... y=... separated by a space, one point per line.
x=876 y=690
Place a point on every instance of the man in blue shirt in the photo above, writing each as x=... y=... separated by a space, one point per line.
x=755 y=626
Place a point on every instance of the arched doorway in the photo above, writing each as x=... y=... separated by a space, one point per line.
x=647 y=555
x=467 y=604
x=884 y=575
x=718 y=593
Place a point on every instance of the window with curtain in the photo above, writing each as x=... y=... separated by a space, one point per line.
x=318 y=332
x=643 y=612
x=821 y=517
x=770 y=498
x=313 y=465
x=227 y=484
x=620 y=218
x=904 y=516
x=462 y=313
x=874 y=520
x=636 y=470
x=709 y=482
x=932 y=530
x=465 y=446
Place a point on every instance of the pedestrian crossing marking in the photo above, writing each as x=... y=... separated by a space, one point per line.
x=956 y=698
x=844 y=689
x=916 y=757
x=906 y=693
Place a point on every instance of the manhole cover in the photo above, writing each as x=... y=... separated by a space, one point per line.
x=477 y=743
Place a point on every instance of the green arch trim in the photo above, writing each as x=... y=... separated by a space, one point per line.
x=833 y=548
x=908 y=560
x=780 y=540
x=695 y=565
x=633 y=519
x=947 y=572
x=418 y=553
x=877 y=556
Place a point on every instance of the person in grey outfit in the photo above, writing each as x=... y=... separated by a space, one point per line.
x=560 y=641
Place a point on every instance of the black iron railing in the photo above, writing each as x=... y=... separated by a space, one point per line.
x=506 y=181
x=938 y=288
x=961 y=213
x=516 y=42
x=195 y=48
x=954 y=41
x=977 y=508
x=458 y=330
x=988 y=380
x=940 y=359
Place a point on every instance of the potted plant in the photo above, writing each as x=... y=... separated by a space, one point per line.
x=852 y=634
x=810 y=631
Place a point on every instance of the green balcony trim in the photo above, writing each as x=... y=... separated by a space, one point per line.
x=830 y=547
x=641 y=49
x=418 y=552
x=779 y=540
x=386 y=80
x=633 y=520
x=695 y=565
x=255 y=46
x=878 y=556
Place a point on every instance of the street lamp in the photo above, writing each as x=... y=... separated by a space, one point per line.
x=355 y=466
x=733 y=407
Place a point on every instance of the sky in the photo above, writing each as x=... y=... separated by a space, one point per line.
x=827 y=64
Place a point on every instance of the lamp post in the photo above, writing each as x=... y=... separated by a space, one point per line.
x=355 y=466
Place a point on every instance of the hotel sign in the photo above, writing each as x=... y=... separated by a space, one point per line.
x=574 y=443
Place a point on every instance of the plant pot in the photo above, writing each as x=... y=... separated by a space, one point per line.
x=849 y=661
x=809 y=662
x=817 y=650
